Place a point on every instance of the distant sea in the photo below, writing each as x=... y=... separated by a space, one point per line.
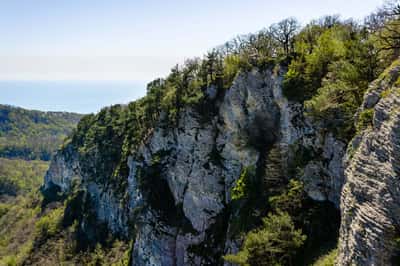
x=71 y=96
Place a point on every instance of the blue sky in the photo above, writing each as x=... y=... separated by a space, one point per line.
x=151 y=27
x=134 y=40
x=71 y=55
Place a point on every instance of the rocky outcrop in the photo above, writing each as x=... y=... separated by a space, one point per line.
x=370 y=203
x=200 y=164
x=180 y=179
x=62 y=172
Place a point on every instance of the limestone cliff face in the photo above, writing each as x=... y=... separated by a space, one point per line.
x=370 y=203
x=180 y=179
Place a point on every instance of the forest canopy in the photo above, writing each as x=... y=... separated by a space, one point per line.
x=33 y=135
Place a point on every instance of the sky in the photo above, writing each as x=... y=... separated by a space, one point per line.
x=82 y=96
x=135 y=40
x=132 y=41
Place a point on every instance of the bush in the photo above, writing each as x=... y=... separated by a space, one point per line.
x=275 y=243
x=294 y=86
x=365 y=119
x=327 y=259
x=4 y=209
x=50 y=224
x=243 y=185
x=248 y=201
x=291 y=200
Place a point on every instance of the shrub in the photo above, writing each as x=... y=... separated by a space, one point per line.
x=327 y=259
x=365 y=119
x=49 y=224
x=291 y=200
x=243 y=184
x=275 y=243
x=248 y=201
x=4 y=208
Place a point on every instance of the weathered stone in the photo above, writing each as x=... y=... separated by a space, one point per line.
x=199 y=163
x=370 y=201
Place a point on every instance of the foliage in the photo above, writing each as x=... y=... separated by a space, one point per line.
x=232 y=65
x=327 y=259
x=33 y=135
x=334 y=63
x=275 y=243
x=17 y=229
x=384 y=27
x=49 y=224
x=313 y=54
x=242 y=188
x=284 y=32
x=117 y=255
x=290 y=201
x=248 y=201
x=365 y=119
x=318 y=221
x=18 y=176
x=27 y=233
x=19 y=207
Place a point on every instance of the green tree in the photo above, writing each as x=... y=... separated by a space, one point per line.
x=291 y=200
x=275 y=243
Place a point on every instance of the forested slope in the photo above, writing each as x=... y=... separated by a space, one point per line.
x=33 y=135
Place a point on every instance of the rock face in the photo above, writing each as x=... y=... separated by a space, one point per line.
x=180 y=179
x=200 y=164
x=61 y=173
x=370 y=203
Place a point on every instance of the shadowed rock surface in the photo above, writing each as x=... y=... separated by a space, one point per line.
x=180 y=179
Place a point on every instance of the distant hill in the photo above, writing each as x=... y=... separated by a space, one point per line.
x=33 y=135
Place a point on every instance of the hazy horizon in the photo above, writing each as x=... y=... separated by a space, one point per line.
x=133 y=40
x=48 y=42
x=79 y=96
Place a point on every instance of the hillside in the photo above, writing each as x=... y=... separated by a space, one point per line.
x=33 y=135
x=27 y=141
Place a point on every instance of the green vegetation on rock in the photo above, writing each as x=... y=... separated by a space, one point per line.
x=327 y=259
x=304 y=224
x=31 y=235
x=365 y=119
x=275 y=243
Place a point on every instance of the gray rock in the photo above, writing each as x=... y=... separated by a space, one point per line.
x=200 y=163
x=370 y=200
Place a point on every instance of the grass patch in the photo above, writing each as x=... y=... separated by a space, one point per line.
x=365 y=119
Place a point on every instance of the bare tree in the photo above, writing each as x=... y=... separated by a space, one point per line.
x=388 y=18
x=329 y=21
x=284 y=32
x=375 y=21
x=392 y=9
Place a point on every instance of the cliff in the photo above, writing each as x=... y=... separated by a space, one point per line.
x=370 y=197
x=177 y=202
x=276 y=148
